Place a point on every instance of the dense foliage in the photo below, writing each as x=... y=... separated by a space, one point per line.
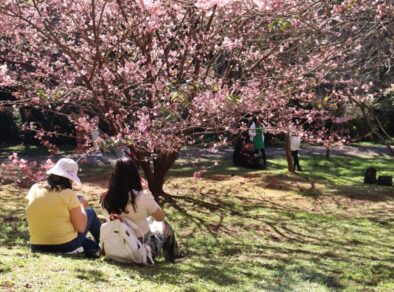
x=163 y=74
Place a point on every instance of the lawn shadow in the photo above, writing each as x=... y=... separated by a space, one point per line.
x=208 y=270
x=90 y=275
x=13 y=226
x=234 y=238
x=288 y=228
x=4 y=268
x=224 y=167
x=341 y=175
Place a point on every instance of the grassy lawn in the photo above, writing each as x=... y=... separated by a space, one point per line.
x=371 y=143
x=241 y=230
x=30 y=150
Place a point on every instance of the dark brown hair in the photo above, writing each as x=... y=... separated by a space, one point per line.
x=123 y=181
x=58 y=183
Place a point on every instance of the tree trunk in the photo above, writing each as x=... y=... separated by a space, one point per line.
x=328 y=153
x=375 y=127
x=156 y=170
x=290 y=163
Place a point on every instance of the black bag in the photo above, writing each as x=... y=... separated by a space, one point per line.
x=370 y=176
x=385 y=180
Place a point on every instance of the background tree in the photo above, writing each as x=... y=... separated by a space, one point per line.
x=164 y=74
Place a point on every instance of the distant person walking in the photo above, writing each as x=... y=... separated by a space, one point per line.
x=295 y=143
x=257 y=137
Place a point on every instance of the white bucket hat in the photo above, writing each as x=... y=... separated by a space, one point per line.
x=67 y=168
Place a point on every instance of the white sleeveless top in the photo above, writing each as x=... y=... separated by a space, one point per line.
x=145 y=205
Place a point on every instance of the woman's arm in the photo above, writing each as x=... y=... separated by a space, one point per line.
x=79 y=218
x=158 y=215
x=144 y=184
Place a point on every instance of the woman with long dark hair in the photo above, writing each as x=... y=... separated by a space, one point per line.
x=58 y=220
x=126 y=197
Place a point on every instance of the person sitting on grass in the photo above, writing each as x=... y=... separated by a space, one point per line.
x=58 y=220
x=237 y=149
x=126 y=197
x=248 y=157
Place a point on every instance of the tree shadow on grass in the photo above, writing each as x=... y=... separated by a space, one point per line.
x=293 y=238
x=13 y=227
x=347 y=168
x=227 y=271
x=208 y=270
x=282 y=226
x=4 y=268
x=341 y=175
x=199 y=222
x=223 y=169
x=90 y=275
x=307 y=186
x=286 y=281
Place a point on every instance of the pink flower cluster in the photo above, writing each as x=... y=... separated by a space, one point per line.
x=165 y=74
x=5 y=78
x=22 y=172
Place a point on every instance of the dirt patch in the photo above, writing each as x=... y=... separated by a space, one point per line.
x=219 y=177
x=93 y=191
x=276 y=183
x=283 y=191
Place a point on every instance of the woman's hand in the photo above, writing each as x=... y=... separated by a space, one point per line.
x=83 y=202
x=158 y=215
x=144 y=183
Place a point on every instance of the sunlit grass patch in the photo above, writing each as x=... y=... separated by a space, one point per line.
x=241 y=230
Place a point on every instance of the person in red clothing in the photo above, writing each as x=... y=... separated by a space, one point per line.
x=248 y=157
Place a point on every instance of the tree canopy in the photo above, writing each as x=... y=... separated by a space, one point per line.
x=162 y=74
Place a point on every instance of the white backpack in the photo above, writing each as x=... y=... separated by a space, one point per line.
x=119 y=242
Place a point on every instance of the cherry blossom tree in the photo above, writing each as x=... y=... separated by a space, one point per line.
x=23 y=172
x=164 y=74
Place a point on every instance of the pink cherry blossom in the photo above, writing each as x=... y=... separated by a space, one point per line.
x=164 y=74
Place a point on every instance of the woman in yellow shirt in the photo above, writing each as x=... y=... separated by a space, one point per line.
x=58 y=221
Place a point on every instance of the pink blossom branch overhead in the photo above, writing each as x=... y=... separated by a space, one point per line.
x=161 y=72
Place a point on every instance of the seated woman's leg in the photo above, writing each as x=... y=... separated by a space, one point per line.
x=93 y=226
x=162 y=240
x=170 y=245
x=57 y=248
x=90 y=247
x=263 y=156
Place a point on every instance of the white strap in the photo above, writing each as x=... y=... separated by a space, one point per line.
x=149 y=254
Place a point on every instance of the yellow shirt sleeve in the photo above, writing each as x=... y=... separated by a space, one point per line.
x=32 y=192
x=73 y=201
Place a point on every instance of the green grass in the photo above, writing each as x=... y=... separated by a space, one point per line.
x=370 y=143
x=242 y=230
x=30 y=150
